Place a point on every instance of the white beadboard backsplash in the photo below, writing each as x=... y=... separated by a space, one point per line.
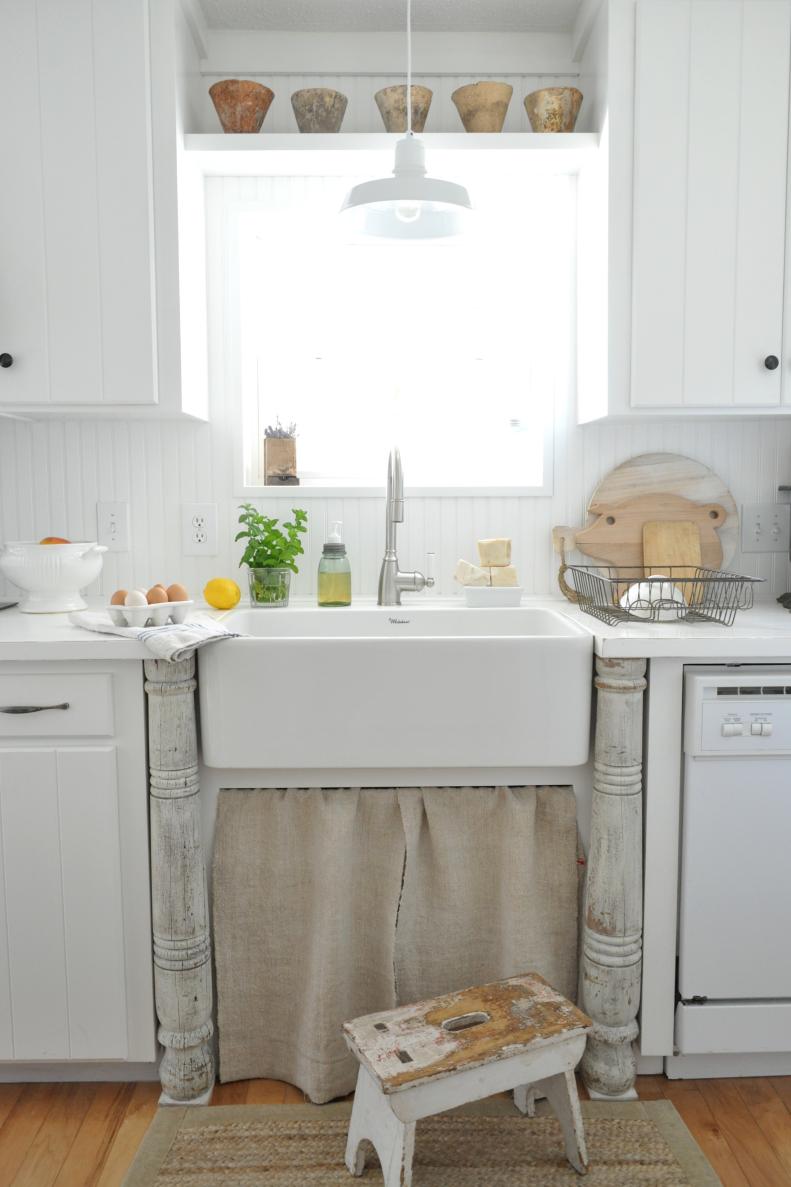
x=52 y=473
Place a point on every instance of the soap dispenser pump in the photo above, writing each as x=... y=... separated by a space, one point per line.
x=335 y=574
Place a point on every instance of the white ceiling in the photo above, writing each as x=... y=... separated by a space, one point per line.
x=365 y=16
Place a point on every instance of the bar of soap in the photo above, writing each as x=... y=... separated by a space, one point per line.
x=494 y=552
x=469 y=574
x=503 y=575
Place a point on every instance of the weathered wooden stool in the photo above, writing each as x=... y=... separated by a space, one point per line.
x=419 y=1060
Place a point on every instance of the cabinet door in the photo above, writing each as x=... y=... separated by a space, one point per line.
x=62 y=976
x=710 y=157
x=76 y=239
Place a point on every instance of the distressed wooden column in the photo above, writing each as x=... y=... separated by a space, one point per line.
x=613 y=917
x=182 y=944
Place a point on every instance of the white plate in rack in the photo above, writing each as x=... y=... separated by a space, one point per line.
x=493 y=595
x=157 y=615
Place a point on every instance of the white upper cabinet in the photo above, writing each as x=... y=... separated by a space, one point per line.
x=79 y=274
x=710 y=156
x=76 y=311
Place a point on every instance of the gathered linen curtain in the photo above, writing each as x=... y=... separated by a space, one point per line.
x=331 y=903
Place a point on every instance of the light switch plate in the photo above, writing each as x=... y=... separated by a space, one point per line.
x=199 y=529
x=766 y=527
x=112 y=526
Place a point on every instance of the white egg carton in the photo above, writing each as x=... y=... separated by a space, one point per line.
x=157 y=615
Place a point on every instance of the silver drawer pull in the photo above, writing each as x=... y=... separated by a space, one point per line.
x=33 y=708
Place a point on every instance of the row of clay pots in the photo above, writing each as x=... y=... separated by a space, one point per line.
x=242 y=106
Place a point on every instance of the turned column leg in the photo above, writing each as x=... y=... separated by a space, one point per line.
x=182 y=944
x=613 y=917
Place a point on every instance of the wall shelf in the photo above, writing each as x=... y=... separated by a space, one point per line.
x=220 y=154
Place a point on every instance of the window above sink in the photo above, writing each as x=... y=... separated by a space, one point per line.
x=455 y=351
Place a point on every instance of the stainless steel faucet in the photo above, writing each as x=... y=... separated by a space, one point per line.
x=392 y=582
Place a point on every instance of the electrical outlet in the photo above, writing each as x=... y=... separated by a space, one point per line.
x=766 y=527
x=199 y=529
x=113 y=526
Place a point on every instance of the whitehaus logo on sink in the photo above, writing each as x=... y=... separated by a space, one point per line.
x=399 y=621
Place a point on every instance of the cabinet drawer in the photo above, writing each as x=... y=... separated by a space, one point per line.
x=32 y=706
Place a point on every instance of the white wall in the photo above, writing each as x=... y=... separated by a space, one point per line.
x=53 y=472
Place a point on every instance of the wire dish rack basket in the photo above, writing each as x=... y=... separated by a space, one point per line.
x=622 y=593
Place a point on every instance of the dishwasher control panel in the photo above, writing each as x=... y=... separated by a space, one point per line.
x=737 y=711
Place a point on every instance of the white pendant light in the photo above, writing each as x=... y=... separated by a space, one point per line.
x=408 y=205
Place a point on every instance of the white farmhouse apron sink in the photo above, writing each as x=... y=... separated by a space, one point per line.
x=402 y=686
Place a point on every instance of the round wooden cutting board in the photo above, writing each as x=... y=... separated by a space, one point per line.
x=651 y=476
x=657 y=489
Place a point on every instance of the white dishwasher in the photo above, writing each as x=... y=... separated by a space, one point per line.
x=734 y=967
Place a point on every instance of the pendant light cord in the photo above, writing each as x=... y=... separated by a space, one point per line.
x=409 y=67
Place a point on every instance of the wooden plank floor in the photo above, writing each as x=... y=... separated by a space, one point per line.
x=86 y=1135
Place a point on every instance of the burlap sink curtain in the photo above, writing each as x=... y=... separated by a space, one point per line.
x=490 y=888
x=333 y=903
x=306 y=890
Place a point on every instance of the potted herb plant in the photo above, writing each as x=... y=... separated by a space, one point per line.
x=270 y=554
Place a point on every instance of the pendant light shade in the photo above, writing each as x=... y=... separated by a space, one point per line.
x=408 y=205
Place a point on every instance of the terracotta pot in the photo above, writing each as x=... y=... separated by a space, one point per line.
x=391 y=102
x=482 y=105
x=553 y=109
x=319 y=109
x=241 y=104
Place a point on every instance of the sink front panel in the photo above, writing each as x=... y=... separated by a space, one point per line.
x=407 y=700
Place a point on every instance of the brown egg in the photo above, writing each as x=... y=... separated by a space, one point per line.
x=119 y=597
x=156 y=594
x=159 y=585
x=177 y=593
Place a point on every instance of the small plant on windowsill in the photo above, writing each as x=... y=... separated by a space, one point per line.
x=270 y=553
x=280 y=454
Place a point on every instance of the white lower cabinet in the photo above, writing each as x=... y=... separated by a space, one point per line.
x=75 y=935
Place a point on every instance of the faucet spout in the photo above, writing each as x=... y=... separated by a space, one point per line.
x=395 y=487
x=391 y=580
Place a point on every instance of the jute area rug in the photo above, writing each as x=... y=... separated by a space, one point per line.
x=634 y=1144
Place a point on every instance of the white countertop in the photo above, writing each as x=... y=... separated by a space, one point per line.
x=763 y=633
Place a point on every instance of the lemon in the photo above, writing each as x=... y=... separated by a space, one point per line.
x=222 y=593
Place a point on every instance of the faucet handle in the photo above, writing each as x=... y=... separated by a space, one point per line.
x=431 y=559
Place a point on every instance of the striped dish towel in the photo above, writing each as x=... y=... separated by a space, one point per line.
x=174 y=642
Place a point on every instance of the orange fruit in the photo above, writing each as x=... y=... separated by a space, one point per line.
x=54 y=540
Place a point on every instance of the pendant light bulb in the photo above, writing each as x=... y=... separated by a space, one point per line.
x=408 y=205
x=408 y=212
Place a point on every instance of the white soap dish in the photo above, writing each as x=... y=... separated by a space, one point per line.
x=493 y=595
x=159 y=614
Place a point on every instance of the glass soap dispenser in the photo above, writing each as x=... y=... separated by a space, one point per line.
x=335 y=574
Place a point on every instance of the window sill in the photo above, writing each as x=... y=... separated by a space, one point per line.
x=314 y=491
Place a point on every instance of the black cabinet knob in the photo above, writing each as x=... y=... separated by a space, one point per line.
x=771 y=362
x=6 y=360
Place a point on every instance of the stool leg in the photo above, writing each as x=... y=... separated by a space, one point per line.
x=355 y=1155
x=561 y=1092
x=393 y=1140
x=397 y=1164
x=525 y=1097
